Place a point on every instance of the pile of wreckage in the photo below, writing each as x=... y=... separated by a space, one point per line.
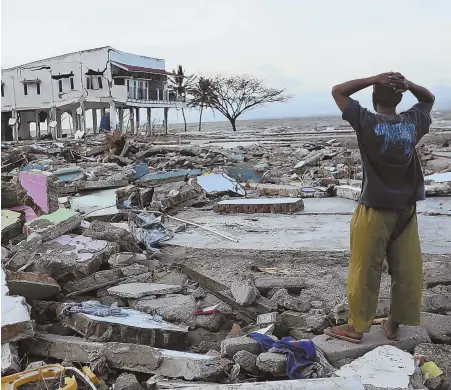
x=88 y=299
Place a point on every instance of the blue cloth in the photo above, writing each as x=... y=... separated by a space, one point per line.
x=105 y=122
x=299 y=353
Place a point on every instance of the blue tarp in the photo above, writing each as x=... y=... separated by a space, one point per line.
x=299 y=353
x=105 y=122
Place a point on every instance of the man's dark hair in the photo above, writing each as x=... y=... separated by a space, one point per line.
x=386 y=96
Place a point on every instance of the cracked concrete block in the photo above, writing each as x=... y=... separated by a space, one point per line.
x=229 y=347
x=106 y=231
x=348 y=192
x=438 y=327
x=436 y=302
x=287 y=301
x=124 y=259
x=40 y=187
x=409 y=337
x=247 y=361
x=127 y=381
x=24 y=251
x=72 y=254
x=53 y=225
x=272 y=363
x=31 y=285
x=12 y=223
x=16 y=321
x=244 y=292
x=134 y=270
x=317 y=322
x=10 y=358
x=136 y=328
x=96 y=279
x=260 y=205
x=173 y=308
x=212 y=322
x=293 y=319
x=140 y=290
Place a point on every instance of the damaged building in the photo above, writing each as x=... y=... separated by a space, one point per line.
x=104 y=81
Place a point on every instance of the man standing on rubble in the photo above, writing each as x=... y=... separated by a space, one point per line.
x=384 y=223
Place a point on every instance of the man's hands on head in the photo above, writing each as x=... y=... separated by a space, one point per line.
x=399 y=83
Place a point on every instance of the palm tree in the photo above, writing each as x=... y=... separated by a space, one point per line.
x=181 y=83
x=200 y=93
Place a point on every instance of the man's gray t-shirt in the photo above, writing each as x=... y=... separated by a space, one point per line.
x=392 y=175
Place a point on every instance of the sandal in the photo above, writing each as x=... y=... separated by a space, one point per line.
x=341 y=335
x=389 y=336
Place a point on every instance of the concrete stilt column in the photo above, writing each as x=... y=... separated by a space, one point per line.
x=112 y=116
x=166 y=110
x=94 y=120
x=59 y=128
x=52 y=117
x=137 y=119
x=38 y=124
x=15 y=127
x=121 y=119
x=74 y=121
x=132 y=120
x=149 y=120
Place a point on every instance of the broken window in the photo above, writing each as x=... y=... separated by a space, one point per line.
x=38 y=88
x=60 y=86
x=3 y=91
x=99 y=80
x=25 y=89
x=72 y=84
x=88 y=82
x=120 y=81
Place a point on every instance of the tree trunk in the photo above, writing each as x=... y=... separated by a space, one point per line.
x=200 y=117
x=184 y=119
x=233 y=122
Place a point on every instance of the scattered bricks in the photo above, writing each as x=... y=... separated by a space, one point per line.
x=53 y=225
x=16 y=321
x=272 y=363
x=293 y=319
x=247 y=362
x=140 y=290
x=98 y=278
x=10 y=359
x=244 y=292
x=440 y=354
x=128 y=258
x=41 y=188
x=71 y=254
x=335 y=349
x=105 y=231
x=260 y=205
x=438 y=327
x=31 y=285
x=285 y=300
x=173 y=308
x=229 y=347
x=24 y=251
x=12 y=223
x=268 y=318
x=127 y=381
x=348 y=192
x=134 y=269
x=135 y=328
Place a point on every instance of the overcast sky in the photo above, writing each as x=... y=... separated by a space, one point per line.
x=303 y=46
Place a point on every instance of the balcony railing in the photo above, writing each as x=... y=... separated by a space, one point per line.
x=152 y=95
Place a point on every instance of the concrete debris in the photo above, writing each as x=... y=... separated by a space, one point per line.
x=16 y=321
x=334 y=349
x=229 y=347
x=348 y=192
x=247 y=361
x=94 y=281
x=10 y=358
x=31 y=285
x=105 y=231
x=287 y=301
x=140 y=290
x=119 y=260
x=41 y=188
x=95 y=206
x=127 y=381
x=24 y=251
x=438 y=327
x=216 y=183
x=272 y=363
x=260 y=205
x=244 y=292
x=12 y=223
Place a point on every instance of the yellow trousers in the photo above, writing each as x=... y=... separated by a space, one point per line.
x=374 y=235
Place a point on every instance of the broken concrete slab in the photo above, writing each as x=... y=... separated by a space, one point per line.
x=124 y=259
x=97 y=205
x=24 y=251
x=409 y=337
x=16 y=321
x=279 y=190
x=105 y=231
x=31 y=285
x=103 y=185
x=247 y=361
x=127 y=381
x=284 y=300
x=10 y=358
x=41 y=187
x=272 y=363
x=12 y=223
x=140 y=290
x=27 y=211
x=244 y=292
x=436 y=302
x=128 y=357
x=229 y=347
x=53 y=225
x=348 y=192
x=97 y=279
x=134 y=270
x=260 y=205
x=217 y=183
x=152 y=179
x=135 y=327
x=77 y=255
x=173 y=308
x=440 y=274
x=438 y=327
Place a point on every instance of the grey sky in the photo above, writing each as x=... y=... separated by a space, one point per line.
x=303 y=46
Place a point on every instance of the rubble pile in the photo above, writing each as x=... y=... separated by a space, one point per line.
x=87 y=280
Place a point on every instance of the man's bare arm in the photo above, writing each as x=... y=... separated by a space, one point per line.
x=422 y=94
x=342 y=92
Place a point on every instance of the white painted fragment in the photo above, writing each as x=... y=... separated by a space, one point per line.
x=139 y=290
x=439 y=177
x=216 y=182
x=10 y=358
x=385 y=367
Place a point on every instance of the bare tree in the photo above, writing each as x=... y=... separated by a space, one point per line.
x=200 y=94
x=233 y=95
x=181 y=83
